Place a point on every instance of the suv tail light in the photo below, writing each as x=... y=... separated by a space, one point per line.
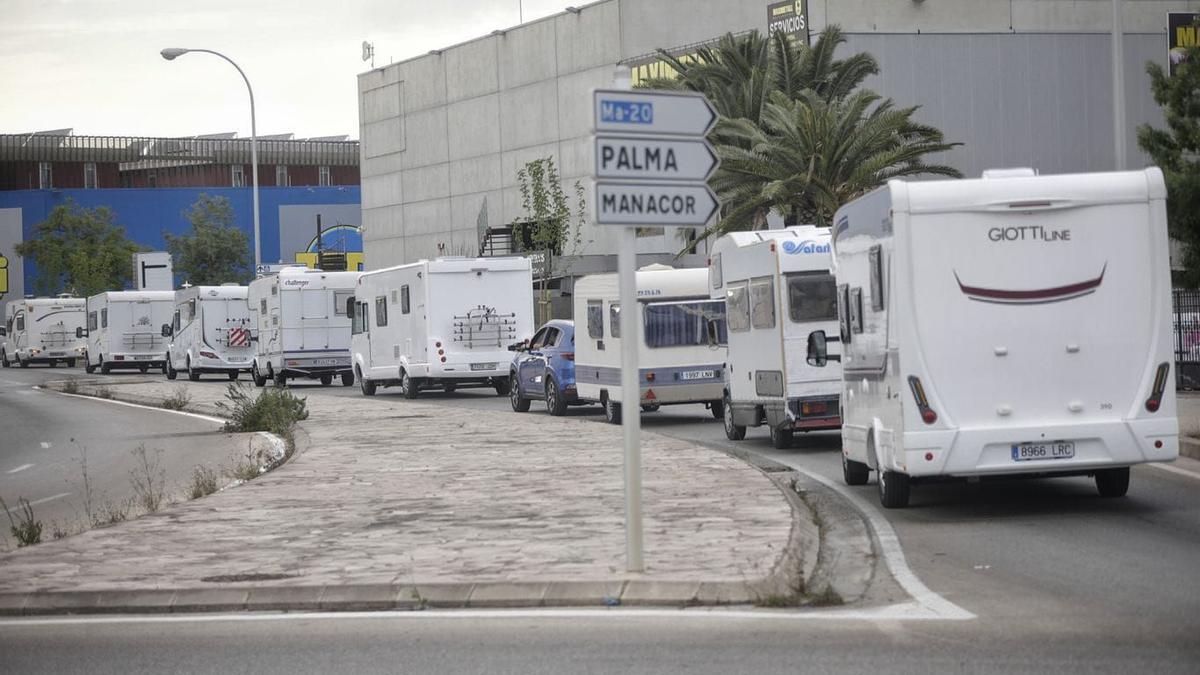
x=928 y=415
x=1160 y=385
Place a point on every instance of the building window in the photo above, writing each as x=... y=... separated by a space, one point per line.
x=281 y=177
x=45 y=176
x=89 y=175
x=239 y=176
x=323 y=176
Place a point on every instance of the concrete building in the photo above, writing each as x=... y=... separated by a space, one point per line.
x=1018 y=82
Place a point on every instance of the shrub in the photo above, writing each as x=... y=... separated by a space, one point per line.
x=71 y=386
x=204 y=482
x=273 y=410
x=104 y=391
x=179 y=400
x=25 y=528
x=148 y=479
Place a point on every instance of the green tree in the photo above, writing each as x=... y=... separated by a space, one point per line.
x=1176 y=150
x=548 y=225
x=79 y=250
x=215 y=251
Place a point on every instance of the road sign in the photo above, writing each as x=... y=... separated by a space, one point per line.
x=660 y=113
x=654 y=204
x=648 y=157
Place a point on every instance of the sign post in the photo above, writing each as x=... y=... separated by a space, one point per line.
x=652 y=161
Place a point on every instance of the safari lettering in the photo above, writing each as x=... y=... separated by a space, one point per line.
x=1028 y=232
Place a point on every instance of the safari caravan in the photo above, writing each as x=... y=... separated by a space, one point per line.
x=778 y=287
x=680 y=334
x=123 y=329
x=1016 y=325
x=441 y=324
x=43 y=330
x=212 y=331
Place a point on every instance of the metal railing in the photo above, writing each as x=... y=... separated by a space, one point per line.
x=1185 y=319
x=141 y=152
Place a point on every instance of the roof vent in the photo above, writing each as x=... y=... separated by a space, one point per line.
x=1020 y=172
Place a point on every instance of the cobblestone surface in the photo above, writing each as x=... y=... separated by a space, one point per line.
x=393 y=492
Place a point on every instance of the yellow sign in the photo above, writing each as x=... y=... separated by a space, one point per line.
x=354 y=260
x=3 y=274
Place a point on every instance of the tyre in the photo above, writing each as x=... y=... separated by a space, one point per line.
x=52 y=364
x=408 y=386
x=280 y=379
x=348 y=379
x=23 y=363
x=326 y=380
x=71 y=363
x=519 y=402
x=193 y=374
x=449 y=387
x=1113 y=482
x=233 y=375
x=612 y=411
x=734 y=432
x=556 y=405
x=650 y=407
x=104 y=367
x=503 y=385
x=854 y=473
x=260 y=380
x=893 y=489
x=88 y=367
x=4 y=360
x=717 y=408
x=171 y=372
x=367 y=386
x=145 y=367
x=781 y=439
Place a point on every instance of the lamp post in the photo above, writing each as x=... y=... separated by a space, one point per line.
x=169 y=54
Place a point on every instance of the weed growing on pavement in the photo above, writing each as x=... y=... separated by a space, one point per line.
x=148 y=478
x=246 y=468
x=103 y=391
x=112 y=513
x=274 y=410
x=177 y=401
x=58 y=529
x=25 y=528
x=71 y=386
x=89 y=503
x=204 y=482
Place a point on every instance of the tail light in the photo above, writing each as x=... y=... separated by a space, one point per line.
x=570 y=356
x=438 y=345
x=207 y=355
x=816 y=408
x=928 y=415
x=118 y=357
x=1160 y=385
x=441 y=352
x=443 y=359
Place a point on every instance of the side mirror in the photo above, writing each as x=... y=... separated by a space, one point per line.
x=818 y=350
x=517 y=346
x=79 y=332
x=166 y=330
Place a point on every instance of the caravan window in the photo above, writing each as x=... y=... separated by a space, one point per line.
x=92 y=325
x=20 y=322
x=876 y=256
x=404 y=302
x=595 y=319
x=683 y=324
x=714 y=271
x=189 y=314
x=340 y=299
x=381 y=310
x=614 y=320
x=812 y=296
x=737 y=307
x=104 y=317
x=175 y=321
x=762 y=303
x=262 y=306
x=843 y=304
x=856 y=310
x=358 y=323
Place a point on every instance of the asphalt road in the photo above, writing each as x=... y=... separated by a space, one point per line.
x=44 y=437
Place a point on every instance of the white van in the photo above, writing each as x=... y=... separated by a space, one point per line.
x=303 y=329
x=43 y=330
x=1009 y=325
x=123 y=329
x=441 y=323
x=212 y=331
x=778 y=288
x=681 y=340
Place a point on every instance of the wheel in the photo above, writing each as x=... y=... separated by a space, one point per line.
x=503 y=385
x=1113 y=482
x=193 y=374
x=52 y=364
x=449 y=387
x=326 y=380
x=367 y=386
x=781 y=438
x=145 y=367
x=22 y=362
x=734 y=432
x=88 y=367
x=612 y=411
x=280 y=379
x=408 y=387
x=854 y=473
x=348 y=379
x=260 y=380
x=4 y=360
x=519 y=402
x=650 y=407
x=233 y=375
x=71 y=363
x=555 y=404
x=171 y=372
x=104 y=367
x=893 y=489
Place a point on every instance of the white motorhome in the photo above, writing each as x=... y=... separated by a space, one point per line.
x=303 y=328
x=212 y=331
x=443 y=323
x=777 y=287
x=123 y=329
x=1007 y=325
x=43 y=330
x=680 y=334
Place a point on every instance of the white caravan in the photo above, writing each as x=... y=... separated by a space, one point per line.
x=441 y=323
x=680 y=334
x=778 y=288
x=123 y=329
x=1009 y=325
x=212 y=331
x=303 y=329
x=43 y=330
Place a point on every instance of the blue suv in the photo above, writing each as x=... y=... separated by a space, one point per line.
x=544 y=369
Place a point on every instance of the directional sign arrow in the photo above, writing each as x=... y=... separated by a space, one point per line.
x=653 y=112
x=649 y=204
x=649 y=157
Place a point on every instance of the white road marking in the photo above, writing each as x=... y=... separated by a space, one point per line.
x=46 y=445
x=1176 y=470
x=41 y=501
x=900 y=612
x=19 y=469
x=198 y=416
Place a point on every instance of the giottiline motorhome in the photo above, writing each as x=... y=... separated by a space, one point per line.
x=778 y=288
x=43 y=330
x=1005 y=325
x=213 y=331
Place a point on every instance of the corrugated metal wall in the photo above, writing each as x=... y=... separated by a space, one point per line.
x=1019 y=99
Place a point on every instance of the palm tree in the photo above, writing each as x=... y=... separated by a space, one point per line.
x=810 y=155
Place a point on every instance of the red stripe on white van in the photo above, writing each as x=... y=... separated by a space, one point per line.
x=1031 y=297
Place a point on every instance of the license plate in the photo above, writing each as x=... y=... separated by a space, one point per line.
x=1024 y=452
x=327 y=362
x=141 y=357
x=697 y=375
x=58 y=354
x=483 y=366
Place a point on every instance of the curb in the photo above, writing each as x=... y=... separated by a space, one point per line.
x=1189 y=447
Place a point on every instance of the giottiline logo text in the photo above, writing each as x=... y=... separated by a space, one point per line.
x=804 y=247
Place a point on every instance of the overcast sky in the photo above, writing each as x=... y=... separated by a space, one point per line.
x=93 y=65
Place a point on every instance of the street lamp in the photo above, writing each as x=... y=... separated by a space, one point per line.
x=169 y=54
